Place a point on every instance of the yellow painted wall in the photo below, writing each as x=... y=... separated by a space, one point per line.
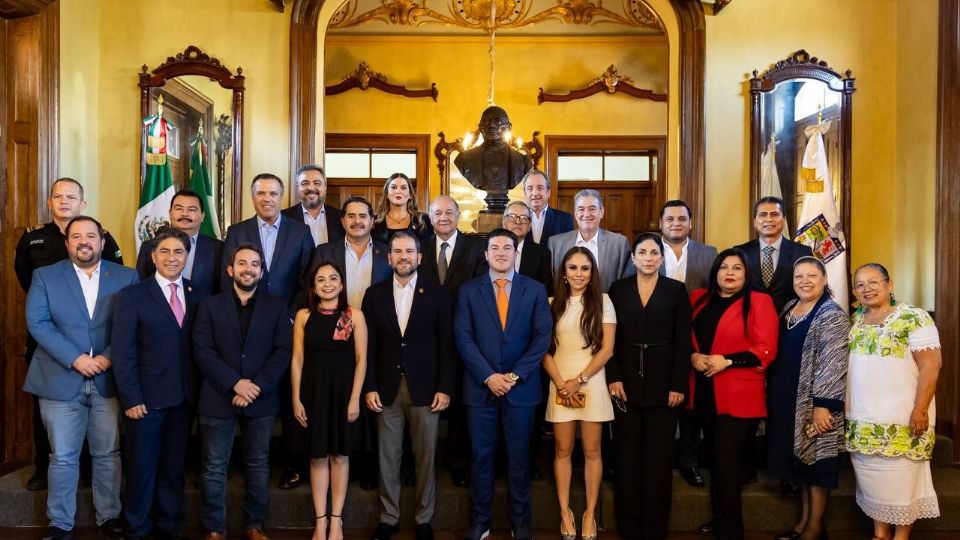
x=103 y=45
x=461 y=67
x=891 y=48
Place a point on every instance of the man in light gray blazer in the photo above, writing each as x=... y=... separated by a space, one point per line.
x=688 y=261
x=612 y=250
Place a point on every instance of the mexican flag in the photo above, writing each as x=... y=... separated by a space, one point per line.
x=157 y=191
x=200 y=183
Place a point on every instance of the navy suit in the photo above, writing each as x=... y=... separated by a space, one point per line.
x=153 y=366
x=554 y=222
x=333 y=217
x=290 y=256
x=781 y=284
x=205 y=274
x=337 y=252
x=487 y=348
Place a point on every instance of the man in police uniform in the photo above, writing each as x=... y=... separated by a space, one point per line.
x=40 y=246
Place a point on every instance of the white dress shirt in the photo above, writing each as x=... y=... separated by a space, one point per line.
x=318 y=225
x=592 y=245
x=359 y=273
x=776 y=250
x=675 y=268
x=536 y=222
x=451 y=242
x=403 y=300
x=90 y=285
x=516 y=264
x=165 y=287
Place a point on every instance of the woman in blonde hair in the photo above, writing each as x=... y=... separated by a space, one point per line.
x=397 y=211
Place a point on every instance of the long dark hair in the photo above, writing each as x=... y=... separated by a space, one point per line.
x=416 y=217
x=591 y=320
x=713 y=289
x=313 y=300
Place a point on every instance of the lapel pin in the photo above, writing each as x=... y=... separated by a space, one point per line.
x=420 y=290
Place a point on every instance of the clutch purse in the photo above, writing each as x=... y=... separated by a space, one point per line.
x=577 y=401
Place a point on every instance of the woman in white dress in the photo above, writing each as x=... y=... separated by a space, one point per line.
x=894 y=364
x=584 y=329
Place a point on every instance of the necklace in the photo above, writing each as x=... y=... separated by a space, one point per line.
x=794 y=320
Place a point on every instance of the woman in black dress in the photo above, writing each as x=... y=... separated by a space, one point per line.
x=397 y=211
x=327 y=369
x=648 y=378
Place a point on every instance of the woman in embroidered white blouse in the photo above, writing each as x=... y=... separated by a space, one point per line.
x=894 y=364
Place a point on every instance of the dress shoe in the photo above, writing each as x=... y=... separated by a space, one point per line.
x=112 y=528
x=211 y=535
x=477 y=532
x=423 y=531
x=691 y=475
x=789 y=534
x=707 y=529
x=460 y=477
x=170 y=535
x=255 y=534
x=384 y=531
x=38 y=482
x=56 y=533
x=290 y=479
x=521 y=533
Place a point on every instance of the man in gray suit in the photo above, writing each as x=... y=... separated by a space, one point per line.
x=610 y=249
x=688 y=261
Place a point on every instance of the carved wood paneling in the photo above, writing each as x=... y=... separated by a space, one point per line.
x=610 y=82
x=13 y=9
x=303 y=84
x=364 y=78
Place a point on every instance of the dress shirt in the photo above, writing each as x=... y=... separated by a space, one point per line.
x=359 y=273
x=673 y=267
x=451 y=242
x=268 y=237
x=536 y=222
x=318 y=225
x=592 y=245
x=508 y=276
x=188 y=268
x=516 y=265
x=776 y=250
x=403 y=300
x=90 y=285
x=165 y=287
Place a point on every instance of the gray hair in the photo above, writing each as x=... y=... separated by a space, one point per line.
x=524 y=205
x=588 y=193
x=456 y=205
x=535 y=172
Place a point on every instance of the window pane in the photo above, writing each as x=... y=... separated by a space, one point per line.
x=385 y=164
x=579 y=168
x=627 y=168
x=347 y=165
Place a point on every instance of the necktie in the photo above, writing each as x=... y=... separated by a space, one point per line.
x=502 y=301
x=766 y=267
x=442 y=263
x=175 y=304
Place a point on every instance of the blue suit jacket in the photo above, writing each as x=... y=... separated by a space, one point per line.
x=290 y=256
x=337 y=251
x=57 y=318
x=152 y=357
x=486 y=348
x=205 y=276
x=224 y=358
x=555 y=222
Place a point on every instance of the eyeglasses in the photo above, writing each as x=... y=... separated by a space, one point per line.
x=513 y=218
x=871 y=285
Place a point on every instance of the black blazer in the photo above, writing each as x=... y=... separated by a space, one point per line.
x=466 y=262
x=224 y=359
x=290 y=256
x=381 y=233
x=781 y=285
x=338 y=252
x=424 y=352
x=205 y=277
x=535 y=263
x=654 y=338
x=335 y=232
x=555 y=222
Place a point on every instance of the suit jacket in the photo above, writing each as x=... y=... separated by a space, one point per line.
x=652 y=351
x=290 y=256
x=205 y=276
x=487 y=348
x=224 y=358
x=424 y=352
x=152 y=357
x=613 y=250
x=554 y=222
x=535 y=263
x=338 y=252
x=699 y=260
x=781 y=285
x=57 y=318
x=334 y=217
x=741 y=392
x=466 y=262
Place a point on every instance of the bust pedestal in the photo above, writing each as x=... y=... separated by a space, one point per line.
x=488 y=221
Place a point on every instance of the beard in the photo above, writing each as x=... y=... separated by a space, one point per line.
x=243 y=287
x=407 y=272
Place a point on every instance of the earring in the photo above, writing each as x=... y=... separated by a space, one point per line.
x=893 y=301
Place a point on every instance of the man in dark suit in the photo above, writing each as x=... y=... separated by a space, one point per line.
x=770 y=258
x=462 y=261
x=502 y=328
x=533 y=260
x=241 y=342
x=203 y=262
x=69 y=309
x=546 y=221
x=688 y=261
x=409 y=378
x=157 y=387
x=322 y=219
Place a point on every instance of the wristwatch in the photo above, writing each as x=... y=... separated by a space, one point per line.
x=513 y=376
x=583 y=379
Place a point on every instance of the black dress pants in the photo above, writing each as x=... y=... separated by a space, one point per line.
x=726 y=437
x=644 y=480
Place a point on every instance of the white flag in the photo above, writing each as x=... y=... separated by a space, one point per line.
x=820 y=226
x=769 y=178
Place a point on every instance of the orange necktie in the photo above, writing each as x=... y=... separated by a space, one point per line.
x=502 y=301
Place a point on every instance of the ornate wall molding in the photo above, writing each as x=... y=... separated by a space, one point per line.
x=365 y=78
x=610 y=82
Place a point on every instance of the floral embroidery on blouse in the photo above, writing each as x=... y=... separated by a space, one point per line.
x=890 y=339
x=888 y=440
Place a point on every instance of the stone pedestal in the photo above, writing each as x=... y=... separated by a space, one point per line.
x=488 y=221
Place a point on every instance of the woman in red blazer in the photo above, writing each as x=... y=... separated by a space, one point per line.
x=734 y=339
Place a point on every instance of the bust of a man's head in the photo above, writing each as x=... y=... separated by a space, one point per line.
x=493 y=123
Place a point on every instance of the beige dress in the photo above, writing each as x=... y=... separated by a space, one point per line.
x=571 y=358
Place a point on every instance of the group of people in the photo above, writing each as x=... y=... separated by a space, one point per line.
x=360 y=329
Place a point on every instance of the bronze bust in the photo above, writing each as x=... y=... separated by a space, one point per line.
x=493 y=166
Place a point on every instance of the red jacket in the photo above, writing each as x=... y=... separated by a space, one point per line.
x=741 y=392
